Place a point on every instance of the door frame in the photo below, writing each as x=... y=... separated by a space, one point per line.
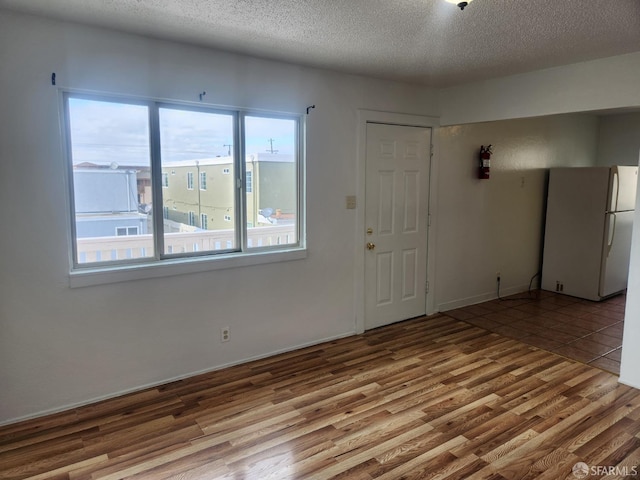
x=391 y=118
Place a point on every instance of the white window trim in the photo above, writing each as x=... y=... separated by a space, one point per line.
x=167 y=267
x=88 y=277
x=127 y=230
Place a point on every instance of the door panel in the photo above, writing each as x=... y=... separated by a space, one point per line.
x=386 y=194
x=397 y=172
x=384 y=276
x=410 y=271
x=411 y=201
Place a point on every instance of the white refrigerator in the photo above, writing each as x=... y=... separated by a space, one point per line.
x=587 y=238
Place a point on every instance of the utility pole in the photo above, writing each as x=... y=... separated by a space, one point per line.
x=271 y=150
x=229 y=149
x=199 y=186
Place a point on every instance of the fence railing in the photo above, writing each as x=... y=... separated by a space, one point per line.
x=99 y=249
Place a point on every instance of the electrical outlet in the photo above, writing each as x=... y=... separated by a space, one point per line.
x=225 y=334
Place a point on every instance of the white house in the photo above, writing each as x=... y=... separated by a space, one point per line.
x=106 y=203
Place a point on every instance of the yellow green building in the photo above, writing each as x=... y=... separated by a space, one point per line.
x=201 y=193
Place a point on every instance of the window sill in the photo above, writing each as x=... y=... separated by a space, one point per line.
x=104 y=275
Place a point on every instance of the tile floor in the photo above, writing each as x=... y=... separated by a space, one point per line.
x=590 y=332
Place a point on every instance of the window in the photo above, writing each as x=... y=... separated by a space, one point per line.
x=249 y=187
x=271 y=191
x=123 y=231
x=110 y=154
x=119 y=148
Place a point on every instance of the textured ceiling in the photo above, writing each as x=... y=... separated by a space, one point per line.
x=421 y=41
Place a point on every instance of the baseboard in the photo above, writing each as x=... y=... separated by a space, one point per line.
x=485 y=297
x=139 y=388
x=624 y=381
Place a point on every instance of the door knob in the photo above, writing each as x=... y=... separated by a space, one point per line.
x=370 y=246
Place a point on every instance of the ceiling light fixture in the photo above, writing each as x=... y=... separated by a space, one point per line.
x=460 y=4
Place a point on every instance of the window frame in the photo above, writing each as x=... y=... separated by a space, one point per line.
x=248 y=178
x=127 y=228
x=166 y=264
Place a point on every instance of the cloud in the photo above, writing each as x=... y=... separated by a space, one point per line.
x=103 y=132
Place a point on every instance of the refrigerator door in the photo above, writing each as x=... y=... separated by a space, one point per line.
x=622 y=189
x=615 y=253
x=574 y=230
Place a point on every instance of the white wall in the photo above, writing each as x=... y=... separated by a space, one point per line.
x=619 y=144
x=629 y=371
x=608 y=83
x=60 y=346
x=495 y=225
x=619 y=139
x=596 y=85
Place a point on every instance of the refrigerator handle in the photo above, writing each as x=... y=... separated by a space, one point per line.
x=612 y=232
x=616 y=185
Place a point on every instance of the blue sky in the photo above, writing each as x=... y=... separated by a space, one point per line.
x=105 y=132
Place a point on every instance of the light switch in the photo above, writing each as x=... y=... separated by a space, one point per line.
x=351 y=202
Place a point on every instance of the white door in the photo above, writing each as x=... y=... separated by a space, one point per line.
x=395 y=237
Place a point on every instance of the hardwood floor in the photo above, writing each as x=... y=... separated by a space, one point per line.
x=430 y=398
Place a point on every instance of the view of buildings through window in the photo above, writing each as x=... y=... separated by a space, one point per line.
x=208 y=201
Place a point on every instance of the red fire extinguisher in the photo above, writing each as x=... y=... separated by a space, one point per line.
x=485 y=161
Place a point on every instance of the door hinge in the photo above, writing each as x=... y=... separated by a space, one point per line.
x=426 y=287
